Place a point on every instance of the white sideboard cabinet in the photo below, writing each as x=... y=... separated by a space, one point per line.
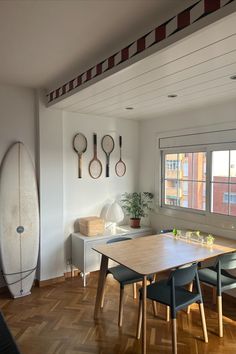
x=86 y=259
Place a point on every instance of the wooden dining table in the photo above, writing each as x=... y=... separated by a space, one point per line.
x=155 y=254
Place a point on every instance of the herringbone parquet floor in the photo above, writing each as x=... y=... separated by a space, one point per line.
x=58 y=319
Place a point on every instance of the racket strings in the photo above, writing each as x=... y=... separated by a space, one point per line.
x=80 y=143
x=108 y=144
x=120 y=168
x=95 y=168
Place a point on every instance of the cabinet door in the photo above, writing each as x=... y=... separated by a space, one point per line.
x=92 y=258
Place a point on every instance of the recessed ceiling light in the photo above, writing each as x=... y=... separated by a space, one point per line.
x=233 y=77
x=173 y=95
x=129 y=108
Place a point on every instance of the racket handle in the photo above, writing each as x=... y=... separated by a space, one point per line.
x=107 y=170
x=80 y=167
x=120 y=141
x=95 y=139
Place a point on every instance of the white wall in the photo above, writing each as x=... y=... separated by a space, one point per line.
x=86 y=196
x=51 y=192
x=219 y=116
x=17 y=119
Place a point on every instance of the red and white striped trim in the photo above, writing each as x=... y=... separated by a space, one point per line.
x=184 y=19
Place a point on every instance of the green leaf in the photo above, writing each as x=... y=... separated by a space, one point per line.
x=136 y=205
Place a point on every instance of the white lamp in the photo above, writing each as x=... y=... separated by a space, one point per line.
x=104 y=211
x=114 y=214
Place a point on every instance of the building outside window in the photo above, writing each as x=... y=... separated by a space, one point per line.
x=223 y=182
x=184 y=182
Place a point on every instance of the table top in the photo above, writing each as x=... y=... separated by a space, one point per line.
x=157 y=253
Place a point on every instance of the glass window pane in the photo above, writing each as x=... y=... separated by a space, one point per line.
x=199 y=166
x=185 y=166
x=192 y=195
x=232 y=200
x=171 y=166
x=220 y=198
x=185 y=189
x=233 y=166
x=199 y=195
x=220 y=166
x=171 y=192
x=185 y=175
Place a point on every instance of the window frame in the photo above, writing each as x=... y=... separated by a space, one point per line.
x=209 y=149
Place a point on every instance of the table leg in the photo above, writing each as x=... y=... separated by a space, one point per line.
x=144 y=304
x=101 y=283
x=84 y=280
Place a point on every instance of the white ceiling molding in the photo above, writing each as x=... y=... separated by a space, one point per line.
x=179 y=26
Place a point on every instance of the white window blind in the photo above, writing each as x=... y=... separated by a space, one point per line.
x=206 y=138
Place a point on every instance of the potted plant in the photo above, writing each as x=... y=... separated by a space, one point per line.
x=210 y=240
x=136 y=205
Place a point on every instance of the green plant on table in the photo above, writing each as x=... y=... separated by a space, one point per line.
x=210 y=239
x=175 y=232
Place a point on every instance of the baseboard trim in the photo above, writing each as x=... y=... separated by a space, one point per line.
x=72 y=274
x=52 y=281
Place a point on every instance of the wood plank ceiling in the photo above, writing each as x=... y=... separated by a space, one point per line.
x=198 y=69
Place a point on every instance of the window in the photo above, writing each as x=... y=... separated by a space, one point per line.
x=200 y=180
x=199 y=171
x=185 y=183
x=229 y=198
x=223 y=182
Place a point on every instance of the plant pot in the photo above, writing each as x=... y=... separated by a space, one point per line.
x=135 y=223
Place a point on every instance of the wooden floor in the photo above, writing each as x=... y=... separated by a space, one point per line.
x=59 y=320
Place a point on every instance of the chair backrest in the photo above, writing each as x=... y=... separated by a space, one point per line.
x=184 y=275
x=119 y=239
x=227 y=261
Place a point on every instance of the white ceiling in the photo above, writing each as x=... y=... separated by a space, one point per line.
x=45 y=41
x=197 y=69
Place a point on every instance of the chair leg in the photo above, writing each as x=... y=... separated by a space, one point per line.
x=190 y=288
x=135 y=290
x=103 y=293
x=167 y=313
x=103 y=296
x=139 y=325
x=121 y=307
x=174 y=336
x=220 y=318
x=204 y=328
x=154 y=305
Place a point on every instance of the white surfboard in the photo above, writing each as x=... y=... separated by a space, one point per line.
x=19 y=220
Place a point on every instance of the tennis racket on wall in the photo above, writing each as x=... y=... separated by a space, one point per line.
x=80 y=146
x=120 y=167
x=95 y=165
x=108 y=146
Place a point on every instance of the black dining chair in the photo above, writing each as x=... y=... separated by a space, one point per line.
x=124 y=276
x=172 y=292
x=218 y=277
x=7 y=342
